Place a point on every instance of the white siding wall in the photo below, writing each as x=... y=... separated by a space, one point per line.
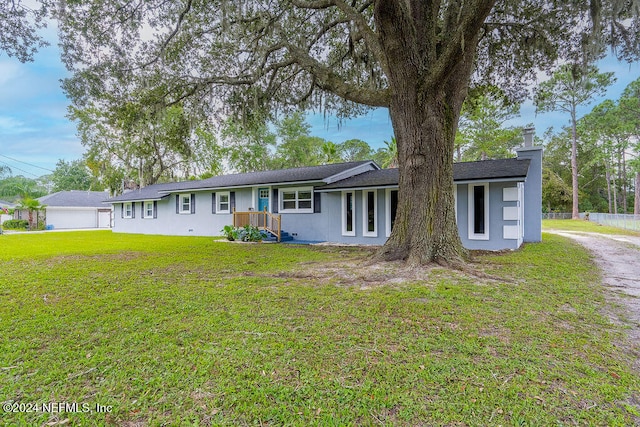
x=62 y=218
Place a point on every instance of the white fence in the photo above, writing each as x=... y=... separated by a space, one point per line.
x=556 y=215
x=627 y=221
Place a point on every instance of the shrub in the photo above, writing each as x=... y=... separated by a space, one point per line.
x=248 y=233
x=230 y=232
x=15 y=224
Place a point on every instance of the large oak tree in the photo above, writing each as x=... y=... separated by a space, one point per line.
x=415 y=57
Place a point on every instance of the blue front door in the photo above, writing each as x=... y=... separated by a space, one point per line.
x=263 y=199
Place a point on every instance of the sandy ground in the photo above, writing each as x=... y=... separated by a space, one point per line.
x=619 y=259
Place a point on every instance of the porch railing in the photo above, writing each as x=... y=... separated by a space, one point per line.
x=261 y=219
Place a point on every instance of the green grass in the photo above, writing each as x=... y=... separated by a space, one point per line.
x=189 y=331
x=588 y=226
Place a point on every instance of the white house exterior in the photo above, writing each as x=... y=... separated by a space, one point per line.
x=77 y=209
x=498 y=202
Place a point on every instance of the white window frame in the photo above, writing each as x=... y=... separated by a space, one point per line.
x=455 y=201
x=387 y=209
x=182 y=204
x=344 y=213
x=219 y=209
x=470 y=210
x=146 y=211
x=297 y=191
x=365 y=212
x=128 y=213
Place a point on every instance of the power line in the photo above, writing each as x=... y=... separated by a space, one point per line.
x=21 y=170
x=30 y=164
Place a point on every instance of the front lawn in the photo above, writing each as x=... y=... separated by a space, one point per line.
x=188 y=330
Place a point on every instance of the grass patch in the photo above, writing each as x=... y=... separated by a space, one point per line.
x=187 y=330
x=587 y=226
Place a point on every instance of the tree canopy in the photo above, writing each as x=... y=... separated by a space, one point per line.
x=19 y=24
x=251 y=59
x=568 y=88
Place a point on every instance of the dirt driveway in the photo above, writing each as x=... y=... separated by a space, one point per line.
x=619 y=259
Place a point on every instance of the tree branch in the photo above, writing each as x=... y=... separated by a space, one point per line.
x=460 y=35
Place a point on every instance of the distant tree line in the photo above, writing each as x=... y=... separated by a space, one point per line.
x=607 y=143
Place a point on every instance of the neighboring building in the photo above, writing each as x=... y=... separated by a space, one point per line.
x=77 y=209
x=498 y=202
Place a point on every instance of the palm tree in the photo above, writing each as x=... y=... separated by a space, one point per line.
x=31 y=205
x=330 y=152
x=391 y=154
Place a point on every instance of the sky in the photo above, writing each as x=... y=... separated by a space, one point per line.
x=35 y=133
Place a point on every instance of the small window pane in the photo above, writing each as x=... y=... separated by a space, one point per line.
x=478 y=209
x=224 y=198
x=289 y=204
x=264 y=194
x=289 y=196
x=371 y=224
x=304 y=195
x=349 y=208
x=304 y=204
x=394 y=206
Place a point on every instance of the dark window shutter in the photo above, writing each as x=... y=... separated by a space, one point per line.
x=193 y=203
x=316 y=203
x=274 y=207
x=232 y=201
x=155 y=209
x=177 y=203
x=133 y=209
x=122 y=210
x=141 y=209
x=213 y=203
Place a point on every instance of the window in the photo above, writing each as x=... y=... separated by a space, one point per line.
x=128 y=210
x=296 y=200
x=224 y=202
x=369 y=213
x=348 y=214
x=185 y=203
x=149 y=210
x=391 y=208
x=479 y=211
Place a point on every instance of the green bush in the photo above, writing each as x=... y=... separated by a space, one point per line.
x=248 y=233
x=15 y=224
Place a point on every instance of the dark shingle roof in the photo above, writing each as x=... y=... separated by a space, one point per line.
x=151 y=192
x=309 y=173
x=467 y=171
x=76 y=198
x=281 y=176
x=4 y=204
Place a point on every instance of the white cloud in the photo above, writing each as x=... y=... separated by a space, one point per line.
x=12 y=126
x=9 y=70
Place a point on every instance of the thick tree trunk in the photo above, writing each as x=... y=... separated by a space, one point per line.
x=428 y=81
x=425 y=227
